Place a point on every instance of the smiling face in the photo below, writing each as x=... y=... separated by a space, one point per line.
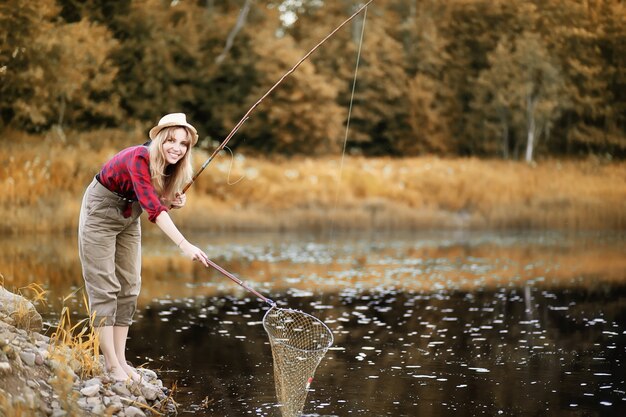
x=176 y=145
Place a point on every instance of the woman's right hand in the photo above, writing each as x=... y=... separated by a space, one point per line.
x=195 y=253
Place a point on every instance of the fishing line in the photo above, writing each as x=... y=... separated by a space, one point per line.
x=298 y=340
x=345 y=139
x=230 y=168
x=254 y=106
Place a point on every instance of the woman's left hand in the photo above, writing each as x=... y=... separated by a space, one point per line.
x=179 y=201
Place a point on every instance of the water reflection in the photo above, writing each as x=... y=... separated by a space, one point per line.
x=290 y=262
x=436 y=324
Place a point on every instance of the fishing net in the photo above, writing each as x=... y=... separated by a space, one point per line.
x=299 y=341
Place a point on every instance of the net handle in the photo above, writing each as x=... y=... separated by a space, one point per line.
x=241 y=283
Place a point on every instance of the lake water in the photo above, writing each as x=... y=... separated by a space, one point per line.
x=425 y=323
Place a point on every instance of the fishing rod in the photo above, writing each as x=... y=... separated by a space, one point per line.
x=247 y=115
x=240 y=282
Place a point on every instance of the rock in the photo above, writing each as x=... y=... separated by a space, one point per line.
x=38 y=359
x=148 y=374
x=150 y=392
x=113 y=409
x=28 y=358
x=94 y=401
x=45 y=408
x=90 y=390
x=59 y=413
x=120 y=389
x=82 y=402
x=44 y=353
x=22 y=312
x=9 y=352
x=5 y=368
x=134 y=412
x=93 y=381
x=55 y=365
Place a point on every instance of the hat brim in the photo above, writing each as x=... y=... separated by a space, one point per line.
x=156 y=129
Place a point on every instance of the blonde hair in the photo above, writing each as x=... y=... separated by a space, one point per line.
x=169 y=179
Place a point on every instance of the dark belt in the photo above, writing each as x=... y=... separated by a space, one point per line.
x=128 y=200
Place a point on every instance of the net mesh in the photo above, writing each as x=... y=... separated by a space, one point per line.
x=299 y=341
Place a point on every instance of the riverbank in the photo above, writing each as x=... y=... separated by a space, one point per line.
x=41 y=377
x=42 y=181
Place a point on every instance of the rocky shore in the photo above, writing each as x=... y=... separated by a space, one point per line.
x=38 y=378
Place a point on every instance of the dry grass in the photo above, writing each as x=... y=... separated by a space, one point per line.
x=22 y=314
x=77 y=344
x=42 y=181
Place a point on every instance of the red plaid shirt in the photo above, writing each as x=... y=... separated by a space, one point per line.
x=128 y=174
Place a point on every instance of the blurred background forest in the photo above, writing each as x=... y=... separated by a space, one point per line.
x=466 y=113
x=498 y=78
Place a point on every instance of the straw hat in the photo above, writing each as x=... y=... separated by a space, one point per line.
x=174 y=119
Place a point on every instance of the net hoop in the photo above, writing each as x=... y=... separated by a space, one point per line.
x=270 y=331
x=298 y=341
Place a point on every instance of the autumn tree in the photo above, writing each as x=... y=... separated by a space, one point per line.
x=575 y=35
x=157 y=58
x=301 y=115
x=225 y=79
x=24 y=72
x=494 y=103
x=473 y=28
x=336 y=59
x=81 y=91
x=55 y=72
x=464 y=77
x=521 y=92
x=612 y=20
x=429 y=100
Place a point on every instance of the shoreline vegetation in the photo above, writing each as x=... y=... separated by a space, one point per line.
x=42 y=180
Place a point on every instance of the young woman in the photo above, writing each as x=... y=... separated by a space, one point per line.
x=147 y=177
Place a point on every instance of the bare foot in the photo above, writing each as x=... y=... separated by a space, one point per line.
x=118 y=374
x=131 y=372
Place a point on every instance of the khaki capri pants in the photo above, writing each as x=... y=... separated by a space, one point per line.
x=109 y=247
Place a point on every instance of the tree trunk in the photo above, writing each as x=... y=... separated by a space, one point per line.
x=530 y=143
x=59 y=126
x=505 y=141
x=241 y=21
x=502 y=115
x=357 y=28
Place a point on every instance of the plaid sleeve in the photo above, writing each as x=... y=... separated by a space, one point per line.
x=139 y=169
